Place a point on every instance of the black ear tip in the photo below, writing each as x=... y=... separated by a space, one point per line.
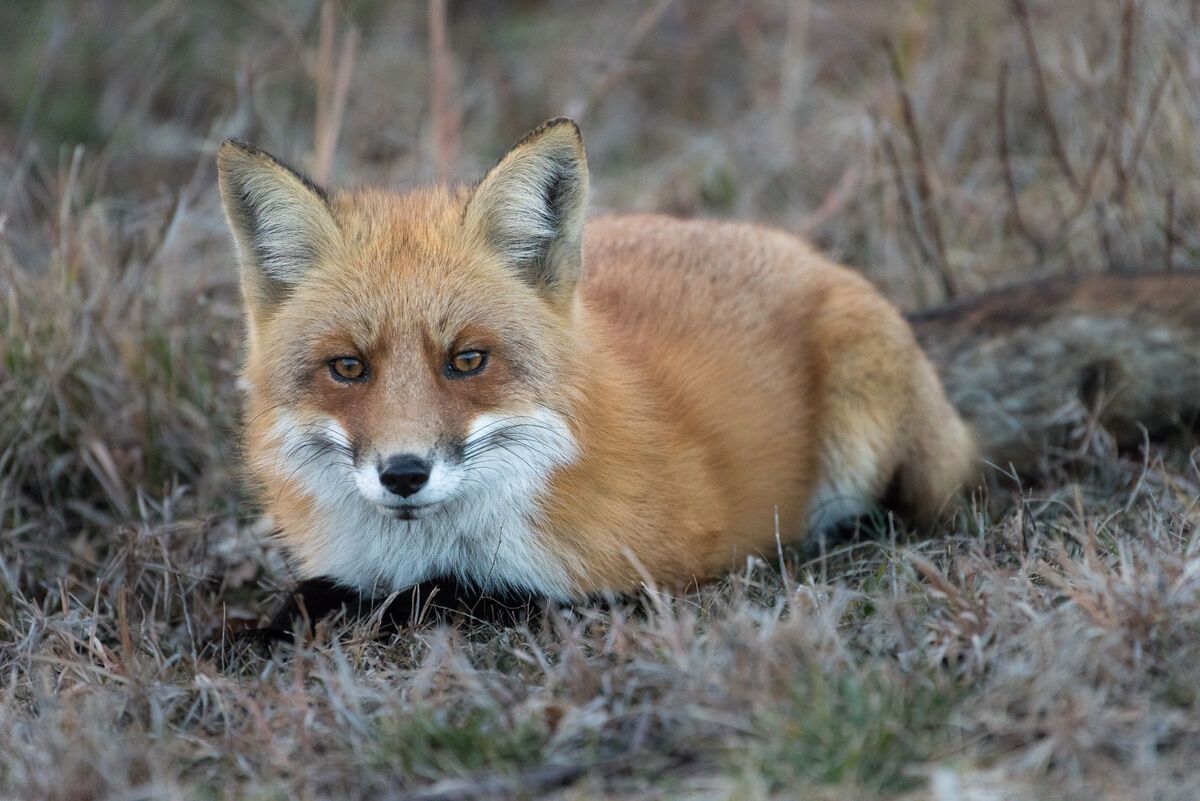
x=238 y=155
x=556 y=125
x=565 y=125
x=232 y=145
x=233 y=151
x=560 y=121
x=237 y=144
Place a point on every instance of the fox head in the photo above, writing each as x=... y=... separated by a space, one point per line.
x=409 y=363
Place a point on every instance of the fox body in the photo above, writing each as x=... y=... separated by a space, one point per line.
x=472 y=383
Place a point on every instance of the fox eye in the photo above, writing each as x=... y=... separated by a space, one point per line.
x=466 y=362
x=347 y=368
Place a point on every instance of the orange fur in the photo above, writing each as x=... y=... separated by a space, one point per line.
x=713 y=377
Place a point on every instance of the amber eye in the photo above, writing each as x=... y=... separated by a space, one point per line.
x=347 y=368
x=467 y=361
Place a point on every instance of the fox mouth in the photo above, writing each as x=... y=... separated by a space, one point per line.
x=406 y=511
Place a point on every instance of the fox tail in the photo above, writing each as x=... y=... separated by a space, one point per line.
x=1056 y=367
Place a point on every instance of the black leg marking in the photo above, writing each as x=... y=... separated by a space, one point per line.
x=438 y=600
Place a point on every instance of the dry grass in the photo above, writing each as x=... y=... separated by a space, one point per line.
x=1041 y=644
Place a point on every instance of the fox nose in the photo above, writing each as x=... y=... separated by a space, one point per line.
x=404 y=475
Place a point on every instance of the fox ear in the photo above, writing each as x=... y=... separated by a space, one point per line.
x=280 y=221
x=529 y=208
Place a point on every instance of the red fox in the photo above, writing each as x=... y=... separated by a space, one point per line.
x=473 y=383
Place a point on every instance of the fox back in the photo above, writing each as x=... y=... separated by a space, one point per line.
x=470 y=382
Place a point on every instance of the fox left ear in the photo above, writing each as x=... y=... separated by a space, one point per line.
x=530 y=207
x=280 y=220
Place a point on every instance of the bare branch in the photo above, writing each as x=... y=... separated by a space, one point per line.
x=1010 y=185
x=1043 y=97
x=924 y=188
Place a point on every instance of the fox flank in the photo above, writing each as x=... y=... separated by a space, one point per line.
x=470 y=383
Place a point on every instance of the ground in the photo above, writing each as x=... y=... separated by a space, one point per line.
x=1041 y=642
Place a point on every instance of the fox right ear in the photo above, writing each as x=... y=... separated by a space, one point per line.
x=529 y=208
x=280 y=221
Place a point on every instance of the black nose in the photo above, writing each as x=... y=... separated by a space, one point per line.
x=404 y=475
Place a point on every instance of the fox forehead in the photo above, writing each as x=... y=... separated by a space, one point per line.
x=406 y=290
x=403 y=264
x=424 y=220
x=343 y=311
x=406 y=260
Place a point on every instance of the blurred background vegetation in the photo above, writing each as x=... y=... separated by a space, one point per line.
x=874 y=125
